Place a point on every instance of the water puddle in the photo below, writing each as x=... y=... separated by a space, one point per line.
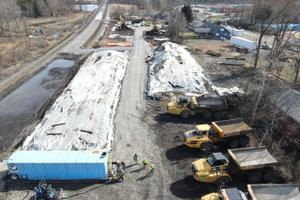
x=19 y=108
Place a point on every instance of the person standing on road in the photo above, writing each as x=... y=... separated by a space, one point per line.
x=151 y=172
x=135 y=158
x=145 y=163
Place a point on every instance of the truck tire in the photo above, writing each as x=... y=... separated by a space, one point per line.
x=254 y=177
x=268 y=175
x=185 y=114
x=222 y=181
x=244 y=141
x=206 y=147
x=234 y=143
x=207 y=115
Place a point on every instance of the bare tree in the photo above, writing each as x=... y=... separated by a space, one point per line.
x=10 y=14
x=267 y=12
x=177 y=24
x=282 y=33
x=296 y=58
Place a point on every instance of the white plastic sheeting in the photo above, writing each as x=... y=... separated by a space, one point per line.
x=173 y=69
x=82 y=116
x=224 y=91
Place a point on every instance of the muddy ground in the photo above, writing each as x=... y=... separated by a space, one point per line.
x=284 y=69
x=169 y=129
x=177 y=158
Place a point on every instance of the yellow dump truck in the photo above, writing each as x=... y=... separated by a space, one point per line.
x=256 y=163
x=226 y=194
x=257 y=192
x=186 y=106
x=233 y=132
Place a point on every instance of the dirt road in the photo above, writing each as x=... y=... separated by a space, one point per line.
x=88 y=33
x=134 y=136
x=142 y=131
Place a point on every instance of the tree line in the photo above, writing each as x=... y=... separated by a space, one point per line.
x=38 y=8
x=14 y=13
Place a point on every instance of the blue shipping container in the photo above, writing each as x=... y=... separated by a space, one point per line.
x=58 y=165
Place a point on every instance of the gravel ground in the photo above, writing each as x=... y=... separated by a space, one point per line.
x=134 y=136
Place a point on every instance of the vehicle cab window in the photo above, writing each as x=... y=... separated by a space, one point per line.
x=198 y=133
x=182 y=100
x=216 y=161
x=219 y=162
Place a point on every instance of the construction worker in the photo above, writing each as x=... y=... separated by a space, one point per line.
x=151 y=172
x=135 y=158
x=121 y=170
x=145 y=163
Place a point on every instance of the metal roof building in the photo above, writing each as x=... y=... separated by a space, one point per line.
x=289 y=102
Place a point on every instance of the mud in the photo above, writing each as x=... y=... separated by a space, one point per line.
x=177 y=158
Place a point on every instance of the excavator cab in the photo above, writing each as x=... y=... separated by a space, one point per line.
x=195 y=138
x=217 y=161
x=178 y=106
x=182 y=100
x=211 y=169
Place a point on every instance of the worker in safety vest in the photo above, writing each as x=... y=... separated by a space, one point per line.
x=151 y=172
x=145 y=163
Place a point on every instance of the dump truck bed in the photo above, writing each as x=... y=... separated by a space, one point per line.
x=252 y=158
x=274 y=191
x=213 y=103
x=232 y=127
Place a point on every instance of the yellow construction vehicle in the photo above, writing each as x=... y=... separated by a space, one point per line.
x=212 y=169
x=226 y=194
x=187 y=106
x=256 y=163
x=233 y=132
x=257 y=192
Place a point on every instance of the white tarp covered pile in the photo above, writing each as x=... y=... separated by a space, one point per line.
x=82 y=116
x=173 y=69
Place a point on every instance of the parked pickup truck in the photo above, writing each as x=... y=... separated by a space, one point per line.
x=63 y=165
x=186 y=106
x=232 y=131
x=256 y=163
x=257 y=192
